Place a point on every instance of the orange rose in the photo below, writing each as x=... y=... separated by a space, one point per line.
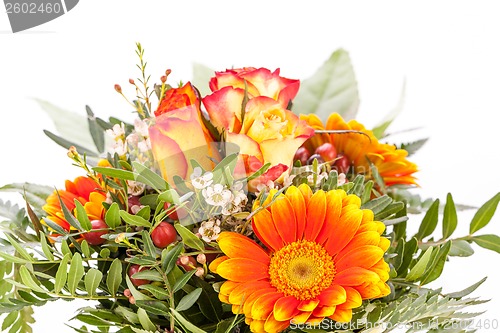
x=260 y=82
x=179 y=135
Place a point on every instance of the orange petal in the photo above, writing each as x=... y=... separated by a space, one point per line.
x=247 y=306
x=343 y=231
x=214 y=264
x=342 y=315
x=264 y=305
x=369 y=290
x=333 y=211
x=316 y=212
x=284 y=219
x=361 y=239
x=355 y=276
x=223 y=298
x=308 y=305
x=384 y=243
x=243 y=270
x=324 y=311
x=227 y=287
x=241 y=293
x=236 y=245
x=333 y=295
x=365 y=256
x=351 y=199
x=285 y=308
x=263 y=227
x=274 y=326
x=297 y=201
x=306 y=193
x=301 y=318
x=257 y=325
x=353 y=299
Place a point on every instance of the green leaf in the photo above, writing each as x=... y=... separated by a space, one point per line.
x=170 y=196
x=367 y=192
x=136 y=293
x=413 y=147
x=259 y=172
x=85 y=249
x=19 y=249
x=54 y=226
x=208 y=302
x=169 y=257
x=148 y=274
x=490 y=242
x=114 y=278
x=189 y=238
x=159 y=292
x=65 y=247
x=62 y=274
x=450 y=219
x=76 y=273
x=149 y=247
x=115 y=173
x=92 y=280
x=46 y=248
x=11 y=258
x=148 y=177
x=378 y=205
x=35 y=194
x=28 y=280
x=467 y=291
x=184 y=322
x=332 y=88
x=393 y=208
x=9 y=320
x=82 y=217
x=95 y=130
x=429 y=222
x=484 y=214
x=380 y=129
x=419 y=268
x=187 y=301
x=146 y=323
x=112 y=216
x=134 y=220
x=179 y=284
x=460 y=248
x=201 y=78
x=67 y=214
x=67 y=144
x=154 y=307
x=436 y=267
x=144 y=212
x=68 y=124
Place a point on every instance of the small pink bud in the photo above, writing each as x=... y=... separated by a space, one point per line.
x=184 y=260
x=201 y=258
x=118 y=88
x=131 y=81
x=199 y=272
x=163 y=79
x=127 y=293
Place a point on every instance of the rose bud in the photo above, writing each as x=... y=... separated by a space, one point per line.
x=94 y=237
x=327 y=151
x=164 y=235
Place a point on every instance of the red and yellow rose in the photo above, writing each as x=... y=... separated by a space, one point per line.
x=264 y=130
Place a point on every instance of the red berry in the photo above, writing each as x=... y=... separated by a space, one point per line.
x=177 y=214
x=302 y=155
x=315 y=157
x=342 y=164
x=327 y=151
x=164 y=235
x=136 y=282
x=94 y=237
x=133 y=201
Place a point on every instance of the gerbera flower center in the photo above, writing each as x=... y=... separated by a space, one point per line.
x=302 y=269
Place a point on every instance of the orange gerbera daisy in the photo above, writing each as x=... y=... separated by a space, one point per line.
x=324 y=256
x=85 y=190
x=391 y=163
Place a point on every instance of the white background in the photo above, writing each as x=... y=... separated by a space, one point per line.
x=448 y=52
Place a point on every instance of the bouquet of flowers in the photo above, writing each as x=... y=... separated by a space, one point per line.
x=259 y=205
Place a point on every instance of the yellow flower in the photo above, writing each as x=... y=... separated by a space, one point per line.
x=324 y=256
x=391 y=163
